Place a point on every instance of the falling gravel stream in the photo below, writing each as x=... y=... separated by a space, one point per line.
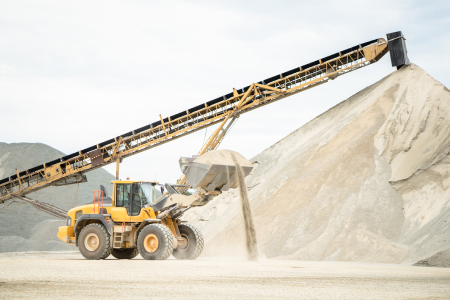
x=250 y=232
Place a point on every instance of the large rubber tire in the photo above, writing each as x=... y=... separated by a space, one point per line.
x=155 y=242
x=195 y=243
x=93 y=242
x=128 y=253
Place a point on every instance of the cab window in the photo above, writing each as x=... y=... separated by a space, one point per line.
x=138 y=196
x=123 y=192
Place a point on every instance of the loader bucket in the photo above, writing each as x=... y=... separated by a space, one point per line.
x=214 y=170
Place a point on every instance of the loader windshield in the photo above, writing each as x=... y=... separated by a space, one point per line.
x=149 y=193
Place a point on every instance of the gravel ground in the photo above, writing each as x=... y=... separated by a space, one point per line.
x=67 y=275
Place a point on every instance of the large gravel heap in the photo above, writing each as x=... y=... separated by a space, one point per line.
x=366 y=181
x=25 y=228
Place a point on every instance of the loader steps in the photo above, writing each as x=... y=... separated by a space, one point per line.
x=118 y=240
x=119 y=235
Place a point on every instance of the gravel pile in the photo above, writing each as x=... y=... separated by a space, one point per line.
x=23 y=227
x=366 y=181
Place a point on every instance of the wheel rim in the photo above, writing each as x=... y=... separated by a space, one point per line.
x=91 y=242
x=151 y=242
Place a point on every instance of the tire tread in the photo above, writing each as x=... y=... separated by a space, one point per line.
x=199 y=245
x=168 y=237
x=107 y=250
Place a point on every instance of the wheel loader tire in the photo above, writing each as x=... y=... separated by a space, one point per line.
x=194 y=243
x=128 y=253
x=93 y=242
x=155 y=242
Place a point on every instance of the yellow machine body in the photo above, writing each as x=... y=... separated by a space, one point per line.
x=141 y=218
x=109 y=211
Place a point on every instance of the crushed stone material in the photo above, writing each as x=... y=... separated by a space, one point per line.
x=366 y=181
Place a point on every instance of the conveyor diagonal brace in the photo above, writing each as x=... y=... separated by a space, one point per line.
x=48 y=208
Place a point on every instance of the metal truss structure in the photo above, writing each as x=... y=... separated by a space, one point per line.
x=225 y=110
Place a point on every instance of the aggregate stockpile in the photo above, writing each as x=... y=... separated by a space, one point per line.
x=22 y=226
x=366 y=181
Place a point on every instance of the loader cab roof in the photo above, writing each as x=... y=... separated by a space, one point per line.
x=133 y=181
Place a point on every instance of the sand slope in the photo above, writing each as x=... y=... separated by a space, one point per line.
x=24 y=228
x=366 y=181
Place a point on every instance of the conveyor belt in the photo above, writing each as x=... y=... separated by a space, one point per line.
x=69 y=169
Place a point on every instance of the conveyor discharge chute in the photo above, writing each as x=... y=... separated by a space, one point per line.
x=397 y=49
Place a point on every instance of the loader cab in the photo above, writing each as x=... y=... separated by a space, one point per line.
x=129 y=197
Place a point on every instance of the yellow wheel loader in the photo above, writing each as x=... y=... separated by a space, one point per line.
x=144 y=217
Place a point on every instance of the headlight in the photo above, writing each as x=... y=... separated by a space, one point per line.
x=69 y=221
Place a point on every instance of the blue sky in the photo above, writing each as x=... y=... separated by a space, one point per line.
x=73 y=74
